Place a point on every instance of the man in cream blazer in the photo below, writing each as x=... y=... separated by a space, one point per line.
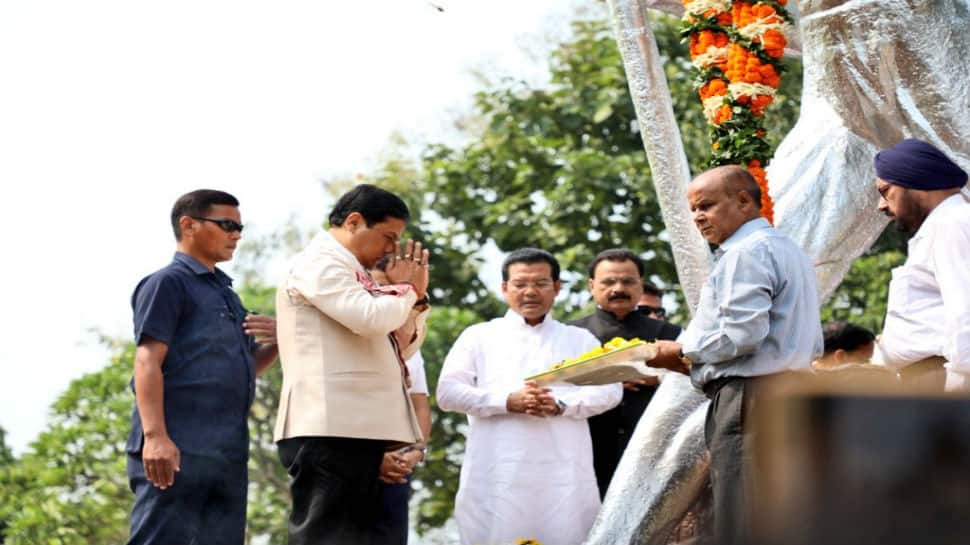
x=342 y=341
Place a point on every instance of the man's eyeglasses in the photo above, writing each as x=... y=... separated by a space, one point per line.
x=659 y=312
x=226 y=225
x=539 y=285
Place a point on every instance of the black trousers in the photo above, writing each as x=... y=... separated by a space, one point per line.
x=206 y=505
x=335 y=488
x=393 y=520
x=729 y=439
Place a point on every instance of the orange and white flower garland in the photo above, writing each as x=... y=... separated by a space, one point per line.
x=736 y=48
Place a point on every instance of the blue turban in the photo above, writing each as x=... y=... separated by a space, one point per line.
x=918 y=165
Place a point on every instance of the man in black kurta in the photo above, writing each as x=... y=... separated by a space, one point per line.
x=616 y=283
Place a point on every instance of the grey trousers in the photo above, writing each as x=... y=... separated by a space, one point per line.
x=729 y=442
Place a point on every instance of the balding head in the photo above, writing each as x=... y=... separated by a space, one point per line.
x=722 y=200
x=733 y=179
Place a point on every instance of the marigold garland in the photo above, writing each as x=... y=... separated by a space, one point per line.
x=736 y=48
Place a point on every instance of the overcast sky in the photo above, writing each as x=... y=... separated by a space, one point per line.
x=110 y=109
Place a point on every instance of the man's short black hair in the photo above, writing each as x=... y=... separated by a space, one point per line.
x=530 y=255
x=197 y=203
x=371 y=202
x=652 y=289
x=616 y=254
x=845 y=336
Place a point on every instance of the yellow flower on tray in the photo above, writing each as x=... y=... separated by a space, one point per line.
x=527 y=541
x=616 y=343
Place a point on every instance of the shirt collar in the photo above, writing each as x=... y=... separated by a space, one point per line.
x=517 y=320
x=198 y=268
x=748 y=228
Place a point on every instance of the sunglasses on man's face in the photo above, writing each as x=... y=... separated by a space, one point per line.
x=226 y=225
x=660 y=312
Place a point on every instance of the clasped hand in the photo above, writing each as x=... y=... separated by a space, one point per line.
x=409 y=265
x=397 y=465
x=533 y=400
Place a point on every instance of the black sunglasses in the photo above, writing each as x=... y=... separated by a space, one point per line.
x=226 y=225
x=647 y=309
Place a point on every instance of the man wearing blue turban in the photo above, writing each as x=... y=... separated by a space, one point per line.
x=927 y=331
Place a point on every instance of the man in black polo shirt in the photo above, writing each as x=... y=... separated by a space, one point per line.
x=616 y=284
x=194 y=379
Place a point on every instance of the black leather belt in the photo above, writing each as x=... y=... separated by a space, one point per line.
x=713 y=386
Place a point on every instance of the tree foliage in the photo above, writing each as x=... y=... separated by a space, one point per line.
x=71 y=488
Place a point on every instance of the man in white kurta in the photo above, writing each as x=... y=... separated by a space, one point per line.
x=524 y=475
x=928 y=311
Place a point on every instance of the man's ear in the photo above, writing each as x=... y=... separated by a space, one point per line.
x=840 y=356
x=353 y=221
x=745 y=199
x=557 y=285
x=187 y=226
x=590 y=284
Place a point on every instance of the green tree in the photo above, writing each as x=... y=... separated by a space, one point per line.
x=70 y=488
x=6 y=455
x=6 y=460
x=861 y=298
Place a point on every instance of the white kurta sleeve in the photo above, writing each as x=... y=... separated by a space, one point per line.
x=897 y=346
x=420 y=318
x=586 y=401
x=458 y=388
x=951 y=256
x=419 y=380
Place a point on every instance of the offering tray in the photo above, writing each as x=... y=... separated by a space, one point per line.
x=616 y=365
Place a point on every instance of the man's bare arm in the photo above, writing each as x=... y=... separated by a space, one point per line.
x=160 y=456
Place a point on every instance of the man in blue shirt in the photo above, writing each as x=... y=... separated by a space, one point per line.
x=758 y=315
x=194 y=379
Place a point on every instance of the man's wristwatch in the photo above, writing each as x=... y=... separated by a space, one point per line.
x=422 y=302
x=684 y=359
x=422 y=449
